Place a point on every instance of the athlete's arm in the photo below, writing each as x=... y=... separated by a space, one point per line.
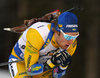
x=71 y=51
x=62 y=69
x=33 y=45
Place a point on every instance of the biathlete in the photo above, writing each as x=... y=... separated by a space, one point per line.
x=46 y=48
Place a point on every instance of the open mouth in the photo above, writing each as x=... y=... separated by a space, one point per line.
x=67 y=45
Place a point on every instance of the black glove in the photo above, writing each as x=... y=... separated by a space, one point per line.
x=50 y=64
x=59 y=58
x=62 y=58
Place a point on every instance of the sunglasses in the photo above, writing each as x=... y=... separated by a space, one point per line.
x=69 y=37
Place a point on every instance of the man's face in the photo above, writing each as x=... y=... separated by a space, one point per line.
x=62 y=42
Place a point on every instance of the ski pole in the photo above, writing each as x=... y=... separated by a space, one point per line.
x=6 y=63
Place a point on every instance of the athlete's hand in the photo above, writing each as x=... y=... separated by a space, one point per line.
x=62 y=58
x=59 y=58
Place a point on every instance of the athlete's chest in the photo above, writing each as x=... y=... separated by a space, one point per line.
x=47 y=49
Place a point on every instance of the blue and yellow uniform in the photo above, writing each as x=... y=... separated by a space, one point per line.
x=33 y=47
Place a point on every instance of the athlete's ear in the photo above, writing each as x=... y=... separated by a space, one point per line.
x=54 y=30
x=58 y=33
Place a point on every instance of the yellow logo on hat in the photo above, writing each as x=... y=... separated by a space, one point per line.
x=60 y=25
x=73 y=29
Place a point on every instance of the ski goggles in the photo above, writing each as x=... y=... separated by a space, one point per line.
x=69 y=37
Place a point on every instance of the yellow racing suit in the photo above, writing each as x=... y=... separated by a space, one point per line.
x=34 y=46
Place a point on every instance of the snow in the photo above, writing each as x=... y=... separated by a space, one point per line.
x=4 y=73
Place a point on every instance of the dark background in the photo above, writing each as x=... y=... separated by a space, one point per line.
x=85 y=62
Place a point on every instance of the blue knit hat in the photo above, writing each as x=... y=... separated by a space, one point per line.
x=67 y=22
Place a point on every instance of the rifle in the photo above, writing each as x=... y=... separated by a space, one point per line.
x=49 y=17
